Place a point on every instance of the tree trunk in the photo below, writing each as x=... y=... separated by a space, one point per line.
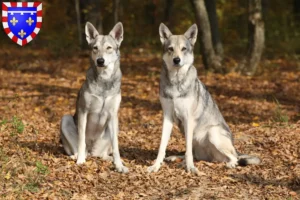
x=116 y=10
x=92 y=14
x=213 y=19
x=78 y=16
x=211 y=61
x=167 y=13
x=297 y=10
x=256 y=38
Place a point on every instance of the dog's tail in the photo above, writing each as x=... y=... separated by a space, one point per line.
x=244 y=160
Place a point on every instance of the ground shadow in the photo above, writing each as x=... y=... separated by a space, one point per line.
x=286 y=99
x=143 y=156
x=136 y=103
x=42 y=147
x=293 y=184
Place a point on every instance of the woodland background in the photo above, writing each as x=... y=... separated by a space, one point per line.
x=247 y=54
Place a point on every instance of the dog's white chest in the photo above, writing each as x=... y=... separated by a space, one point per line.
x=100 y=110
x=97 y=104
x=183 y=107
x=177 y=111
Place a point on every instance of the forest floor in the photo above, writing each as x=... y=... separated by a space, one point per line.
x=36 y=90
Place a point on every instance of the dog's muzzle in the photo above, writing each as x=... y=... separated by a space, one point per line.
x=100 y=62
x=176 y=61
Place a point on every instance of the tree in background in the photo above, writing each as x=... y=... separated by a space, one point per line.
x=211 y=45
x=214 y=26
x=168 y=10
x=88 y=10
x=297 y=10
x=78 y=17
x=256 y=40
x=116 y=6
x=60 y=30
x=211 y=60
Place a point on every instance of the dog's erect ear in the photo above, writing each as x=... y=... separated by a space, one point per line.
x=191 y=34
x=117 y=33
x=164 y=33
x=90 y=32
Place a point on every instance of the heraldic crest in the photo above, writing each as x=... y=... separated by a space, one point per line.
x=22 y=21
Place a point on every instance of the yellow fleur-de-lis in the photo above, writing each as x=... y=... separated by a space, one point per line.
x=22 y=33
x=14 y=21
x=29 y=21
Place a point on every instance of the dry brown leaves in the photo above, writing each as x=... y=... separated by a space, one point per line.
x=39 y=90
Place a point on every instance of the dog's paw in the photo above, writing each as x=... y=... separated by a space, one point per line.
x=153 y=168
x=74 y=157
x=80 y=161
x=107 y=158
x=171 y=158
x=174 y=158
x=122 y=169
x=232 y=164
x=192 y=169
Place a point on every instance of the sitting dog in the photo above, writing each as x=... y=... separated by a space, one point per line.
x=94 y=127
x=186 y=101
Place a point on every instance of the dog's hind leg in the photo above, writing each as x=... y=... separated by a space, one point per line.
x=69 y=136
x=221 y=147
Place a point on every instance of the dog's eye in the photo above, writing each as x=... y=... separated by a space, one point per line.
x=170 y=49
x=108 y=48
x=95 y=48
x=183 y=49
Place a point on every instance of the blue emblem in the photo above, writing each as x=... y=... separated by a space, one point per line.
x=22 y=20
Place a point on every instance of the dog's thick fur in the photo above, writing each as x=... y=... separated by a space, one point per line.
x=186 y=101
x=94 y=127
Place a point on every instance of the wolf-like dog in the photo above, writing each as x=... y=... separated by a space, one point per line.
x=186 y=102
x=94 y=127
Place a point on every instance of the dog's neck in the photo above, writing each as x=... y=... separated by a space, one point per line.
x=178 y=83
x=176 y=75
x=106 y=82
x=105 y=74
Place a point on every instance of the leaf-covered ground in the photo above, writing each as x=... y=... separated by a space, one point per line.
x=36 y=90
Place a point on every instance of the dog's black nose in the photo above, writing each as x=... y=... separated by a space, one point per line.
x=100 y=61
x=176 y=60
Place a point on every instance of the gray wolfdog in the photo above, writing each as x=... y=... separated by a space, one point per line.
x=94 y=127
x=186 y=101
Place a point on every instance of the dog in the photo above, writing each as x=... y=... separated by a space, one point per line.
x=186 y=102
x=93 y=130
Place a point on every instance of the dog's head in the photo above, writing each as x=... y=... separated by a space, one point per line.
x=105 y=48
x=178 y=49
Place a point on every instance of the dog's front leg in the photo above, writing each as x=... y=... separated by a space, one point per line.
x=82 y=119
x=166 y=132
x=189 y=129
x=113 y=127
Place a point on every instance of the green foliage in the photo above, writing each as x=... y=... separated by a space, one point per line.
x=35 y=180
x=17 y=124
x=32 y=186
x=41 y=169
x=3 y=122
